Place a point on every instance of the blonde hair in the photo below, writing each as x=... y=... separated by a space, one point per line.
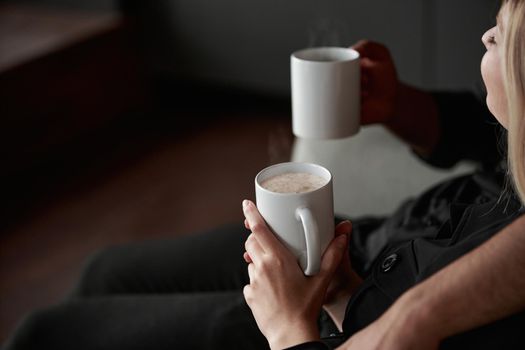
x=514 y=76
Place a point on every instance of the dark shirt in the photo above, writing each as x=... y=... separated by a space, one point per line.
x=442 y=224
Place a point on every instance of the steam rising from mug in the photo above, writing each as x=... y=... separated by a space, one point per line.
x=325 y=92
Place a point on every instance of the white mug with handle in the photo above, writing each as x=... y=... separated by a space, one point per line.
x=303 y=222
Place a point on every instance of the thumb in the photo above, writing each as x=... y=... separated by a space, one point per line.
x=344 y=227
x=333 y=255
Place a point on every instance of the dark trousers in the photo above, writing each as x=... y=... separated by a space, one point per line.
x=184 y=293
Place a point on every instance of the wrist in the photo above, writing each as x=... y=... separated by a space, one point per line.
x=419 y=314
x=415 y=119
x=338 y=296
x=403 y=106
x=293 y=334
x=401 y=95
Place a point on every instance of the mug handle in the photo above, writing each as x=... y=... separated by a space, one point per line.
x=313 y=245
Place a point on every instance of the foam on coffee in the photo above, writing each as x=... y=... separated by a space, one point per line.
x=293 y=183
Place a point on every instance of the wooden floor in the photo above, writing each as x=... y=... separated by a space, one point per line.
x=160 y=182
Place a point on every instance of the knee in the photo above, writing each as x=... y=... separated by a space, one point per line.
x=101 y=273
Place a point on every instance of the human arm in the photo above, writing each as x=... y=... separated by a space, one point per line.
x=285 y=302
x=483 y=286
x=409 y=113
x=441 y=127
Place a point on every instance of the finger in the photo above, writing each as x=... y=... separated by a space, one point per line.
x=251 y=272
x=332 y=256
x=371 y=112
x=371 y=49
x=262 y=233
x=246 y=224
x=247 y=293
x=344 y=227
x=364 y=79
x=253 y=248
x=367 y=63
x=247 y=257
x=360 y=46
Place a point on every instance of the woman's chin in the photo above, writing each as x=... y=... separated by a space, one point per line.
x=501 y=118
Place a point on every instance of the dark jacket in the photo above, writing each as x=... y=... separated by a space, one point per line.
x=444 y=223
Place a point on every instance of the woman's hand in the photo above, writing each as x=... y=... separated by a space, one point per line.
x=379 y=83
x=284 y=302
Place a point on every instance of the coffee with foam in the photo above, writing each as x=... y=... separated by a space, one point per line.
x=293 y=183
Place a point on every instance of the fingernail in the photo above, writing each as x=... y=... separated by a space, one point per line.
x=348 y=224
x=245 y=203
x=341 y=240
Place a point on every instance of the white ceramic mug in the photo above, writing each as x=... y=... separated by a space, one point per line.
x=326 y=84
x=303 y=222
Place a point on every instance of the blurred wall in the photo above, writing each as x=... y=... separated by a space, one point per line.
x=95 y=5
x=457 y=27
x=247 y=43
x=436 y=43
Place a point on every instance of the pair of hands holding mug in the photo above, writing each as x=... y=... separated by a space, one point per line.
x=285 y=302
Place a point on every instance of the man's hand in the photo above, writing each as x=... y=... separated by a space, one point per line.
x=379 y=83
x=409 y=113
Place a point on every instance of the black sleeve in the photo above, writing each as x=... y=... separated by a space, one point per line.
x=314 y=345
x=468 y=132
